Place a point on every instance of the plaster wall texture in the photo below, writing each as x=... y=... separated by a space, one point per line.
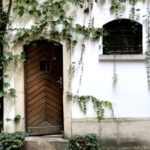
x=130 y=95
x=118 y=134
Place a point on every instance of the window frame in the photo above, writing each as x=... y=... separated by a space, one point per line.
x=133 y=39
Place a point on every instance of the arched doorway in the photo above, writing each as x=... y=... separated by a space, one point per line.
x=44 y=88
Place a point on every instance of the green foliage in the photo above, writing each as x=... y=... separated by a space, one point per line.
x=87 y=142
x=133 y=2
x=12 y=92
x=8 y=91
x=23 y=6
x=98 y=105
x=97 y=33
x=53 y=13
x=50 y=15
x=6 y=59
x=77 y=2
x=47 y=14
x=11 y=141
x=17 y=118
x=115 y=5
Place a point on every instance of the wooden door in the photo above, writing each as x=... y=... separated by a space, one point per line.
x=44 y=87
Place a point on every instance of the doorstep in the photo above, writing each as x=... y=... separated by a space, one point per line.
x=47 y=142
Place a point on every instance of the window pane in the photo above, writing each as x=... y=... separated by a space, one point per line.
x=123 y=37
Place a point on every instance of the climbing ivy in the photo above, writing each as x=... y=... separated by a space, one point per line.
x=5 y=59
x=48 y=14
x=98 y=105
x=52 y=21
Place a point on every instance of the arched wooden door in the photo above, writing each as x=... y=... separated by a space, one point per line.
x=44 y=88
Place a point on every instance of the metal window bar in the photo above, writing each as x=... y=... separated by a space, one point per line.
x=122 y=42
x=107 y=50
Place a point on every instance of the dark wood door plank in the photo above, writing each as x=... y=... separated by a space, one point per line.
x=44 y=106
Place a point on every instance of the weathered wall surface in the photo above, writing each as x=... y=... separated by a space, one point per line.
x=130 y=95
x=117 y=134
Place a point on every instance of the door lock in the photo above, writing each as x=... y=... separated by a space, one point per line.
x=60 y=82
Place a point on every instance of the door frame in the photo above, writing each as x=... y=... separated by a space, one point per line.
x=67 y=115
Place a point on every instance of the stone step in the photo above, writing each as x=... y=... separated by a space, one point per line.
x=54 y=142
x=50 y=136
x=126 y=148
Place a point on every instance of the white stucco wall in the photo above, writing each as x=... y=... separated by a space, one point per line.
x=130 y=95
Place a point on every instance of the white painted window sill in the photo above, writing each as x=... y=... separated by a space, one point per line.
x=122 y=57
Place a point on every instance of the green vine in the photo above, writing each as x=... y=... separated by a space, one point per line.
x=6 y=59
x=98 y=105
x=57 y=26
x=115 y=5
x=50 y=15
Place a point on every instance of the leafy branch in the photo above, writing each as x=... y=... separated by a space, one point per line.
x=98 y=105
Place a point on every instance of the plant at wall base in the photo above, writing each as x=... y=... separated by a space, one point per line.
x=12 y=141
x=86 y=142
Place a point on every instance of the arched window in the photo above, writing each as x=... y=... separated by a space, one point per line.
x=122 y=36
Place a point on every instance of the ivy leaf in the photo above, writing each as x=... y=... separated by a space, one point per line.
x=21 y=11
x=97 y=33
x=86 y=11
x=137 y=9
x=78 y=27
x=1 y=93
x=38 y=12
x=17 y=118
x=12 y=92
x=8 y=119
x=31 y=12
x=6 y=84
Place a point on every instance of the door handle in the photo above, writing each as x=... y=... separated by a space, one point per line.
x=60 y=82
